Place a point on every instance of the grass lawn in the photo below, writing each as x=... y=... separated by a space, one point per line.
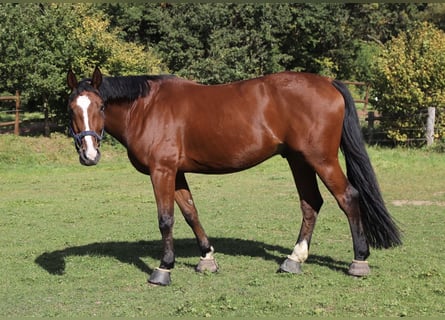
x=78 y=241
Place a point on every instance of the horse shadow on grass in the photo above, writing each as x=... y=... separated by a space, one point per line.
x=132 y=253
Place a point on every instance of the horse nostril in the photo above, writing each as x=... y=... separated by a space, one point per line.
x=86 y=161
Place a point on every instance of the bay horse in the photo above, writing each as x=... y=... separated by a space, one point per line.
x=171 y=126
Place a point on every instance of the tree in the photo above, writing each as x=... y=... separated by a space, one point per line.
x=435 y=13
x=382 y=21
x=216 y=43
x=408 y=78
x=39 y=43
x=100 y=45
x=244 y=45
x=34 y=50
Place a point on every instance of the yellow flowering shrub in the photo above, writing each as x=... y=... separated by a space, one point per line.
x=409 y=77
x=104 y=48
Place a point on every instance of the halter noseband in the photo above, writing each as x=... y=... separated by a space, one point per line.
x=79 y=136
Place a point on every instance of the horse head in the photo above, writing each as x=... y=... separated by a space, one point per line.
x=86 y=108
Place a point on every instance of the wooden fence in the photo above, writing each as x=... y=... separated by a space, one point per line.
x=369 y=117
x=365 y=99
x=16 y=122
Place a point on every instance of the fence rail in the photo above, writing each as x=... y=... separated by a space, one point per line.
x=370 y=118
x=16 y=122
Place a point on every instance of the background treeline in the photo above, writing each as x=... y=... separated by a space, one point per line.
x=210 y=43
x=216 y=43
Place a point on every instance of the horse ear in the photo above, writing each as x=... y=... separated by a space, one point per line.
x=97 y=79
x=71 y=80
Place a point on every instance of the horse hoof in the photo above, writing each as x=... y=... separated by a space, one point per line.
x=160 y=277
x=359 y=268
x=290 y=266
x=207 y=265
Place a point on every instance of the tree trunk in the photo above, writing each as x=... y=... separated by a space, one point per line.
x=47 y=132
x=430 y=126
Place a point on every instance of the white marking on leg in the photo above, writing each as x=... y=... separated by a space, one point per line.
x=209 y=255
x=84 y=102
x=207 y=263
x=300 y=252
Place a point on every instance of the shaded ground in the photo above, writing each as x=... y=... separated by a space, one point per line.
x=32 y=128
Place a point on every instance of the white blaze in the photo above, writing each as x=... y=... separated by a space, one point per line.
x=300 y=252
x=84 y=102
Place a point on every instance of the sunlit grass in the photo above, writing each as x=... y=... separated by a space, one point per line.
x=79 y=241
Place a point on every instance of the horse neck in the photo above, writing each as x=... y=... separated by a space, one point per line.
x=116 y=115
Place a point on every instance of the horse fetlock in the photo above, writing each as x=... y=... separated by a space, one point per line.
x=300 y=252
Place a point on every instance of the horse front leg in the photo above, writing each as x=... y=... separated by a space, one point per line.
x=184 y=199
x=163 y=180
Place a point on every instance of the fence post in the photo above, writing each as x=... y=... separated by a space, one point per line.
x=365 y=107
x=371 y=118
x=17 y=114
x=430 y=126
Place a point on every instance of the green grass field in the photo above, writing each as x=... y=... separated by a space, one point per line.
x=78 y=241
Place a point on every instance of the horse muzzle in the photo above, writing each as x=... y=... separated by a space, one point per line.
x=89 y=154
x=87 y=160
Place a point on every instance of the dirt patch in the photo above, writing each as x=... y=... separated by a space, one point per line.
x=400 y=203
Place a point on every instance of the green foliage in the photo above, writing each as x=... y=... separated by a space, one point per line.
x=366 y=53
x=318 y=39
x=382 y=21
x=211 y=43
x=409 y=78
x=99 y=45
x=215 y=43
x=40 y=42
x=434 y=13
x=33 y=49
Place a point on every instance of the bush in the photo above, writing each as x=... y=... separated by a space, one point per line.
x=407 y=79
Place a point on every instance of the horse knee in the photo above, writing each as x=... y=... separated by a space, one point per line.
x=166 y=222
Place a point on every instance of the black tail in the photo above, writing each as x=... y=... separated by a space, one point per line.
x=380 y=229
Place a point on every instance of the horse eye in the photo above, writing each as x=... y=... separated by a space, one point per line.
x=102 y=108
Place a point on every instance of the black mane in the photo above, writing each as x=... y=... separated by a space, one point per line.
x=127 y=87
x=122 y=87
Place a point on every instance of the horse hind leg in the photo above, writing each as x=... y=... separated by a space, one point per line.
x=347 y=198
x=184 y=199
x=310 y=203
